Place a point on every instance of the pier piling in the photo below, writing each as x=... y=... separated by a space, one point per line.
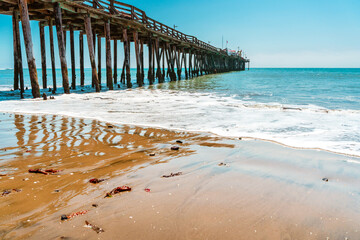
x=127 y=58
x=61 y=44
x=115 y=61
x=25 y=22
x=16 y=54
x=81 y=55
x=90 y=41
x=72 y=49
x=99 y=58
x=43 y=55
x=52 y=54
x=109 y=79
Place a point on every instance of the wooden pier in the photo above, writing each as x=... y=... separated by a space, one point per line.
x=114 y=21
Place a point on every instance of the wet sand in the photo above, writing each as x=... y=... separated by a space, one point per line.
x=261 y=191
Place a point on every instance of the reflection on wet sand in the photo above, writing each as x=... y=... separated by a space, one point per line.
x=80 y=148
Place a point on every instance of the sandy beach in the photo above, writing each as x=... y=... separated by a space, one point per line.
x=225 y=189
x=185 y=120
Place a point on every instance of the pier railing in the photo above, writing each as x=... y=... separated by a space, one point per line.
x=130 y=12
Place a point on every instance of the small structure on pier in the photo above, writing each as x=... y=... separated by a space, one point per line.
x=114 y=21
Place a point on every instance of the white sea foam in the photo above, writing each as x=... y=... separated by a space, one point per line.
x=297 y=126
x=5 y=87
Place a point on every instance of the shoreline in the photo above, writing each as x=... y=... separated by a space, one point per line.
x=189 y=131
x=228 y=188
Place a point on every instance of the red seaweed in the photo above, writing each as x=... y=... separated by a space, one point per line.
x=96 y=180
x=118 y=190
x=74 y=214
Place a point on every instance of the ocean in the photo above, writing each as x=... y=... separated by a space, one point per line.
x=304 y=108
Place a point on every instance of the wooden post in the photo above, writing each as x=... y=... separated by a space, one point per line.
x=170 y=62
x=61 y=43
x=43 y=55
x=52 y=54
x=163 y=62
x=190 y=65
x=153 y=63
x=94 y=40
x=185 y=67
x=172 y=57
x=196 y=63
x=65 y=36
x=179 y=64
x=90 y=41
x=200 y=63
x=205 y=64
x=16 y=54
x=99 y=58
x=167 y=59
x=142 y=61
x=115 y=61
x=25 y=22
x=81 y=46
x=137 y=56
x=158 y=61
x=72 y=48
x=19 y=56
x=127 y=58
x=150 y=47
x=122 y=79
x=174 y=61
x=108 y=56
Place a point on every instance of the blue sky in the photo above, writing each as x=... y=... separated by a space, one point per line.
x=272 y=33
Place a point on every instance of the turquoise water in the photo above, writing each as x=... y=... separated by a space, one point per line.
x=307 y=108
x=328 y=88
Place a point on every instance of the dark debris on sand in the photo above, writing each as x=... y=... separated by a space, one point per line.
x=8 y=191
x=45 y=172
x=172 y=175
